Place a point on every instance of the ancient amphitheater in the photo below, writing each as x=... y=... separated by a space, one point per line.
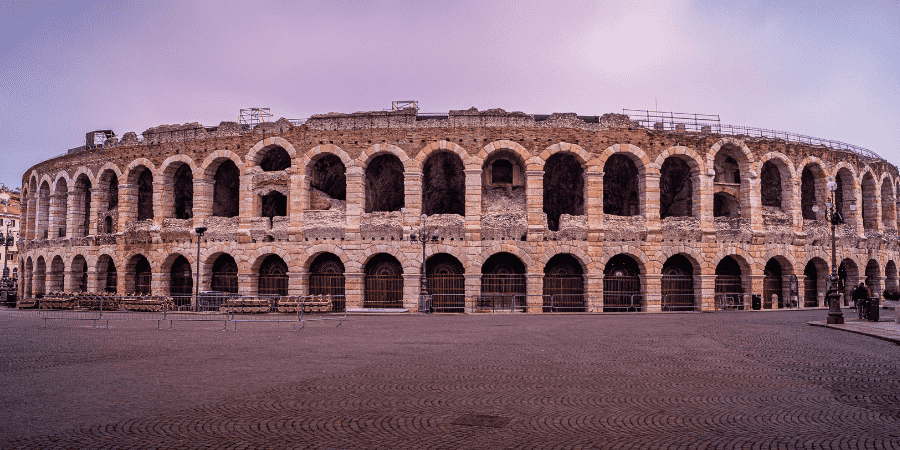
x=534 y=213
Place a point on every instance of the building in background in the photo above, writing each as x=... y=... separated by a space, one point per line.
x=9 y=211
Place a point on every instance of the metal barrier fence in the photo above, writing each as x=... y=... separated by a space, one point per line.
x=732 y=301
x=681 y=302
x=557 y=303
x=501 y=302
x=206 y=307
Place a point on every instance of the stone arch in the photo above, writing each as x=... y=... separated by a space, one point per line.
x=746 y=258
x=888 y=202
x=410 y=265
x=813 y=178
x=443 y=182
x=511 y=146
x=171 y=163
x=135 y=165
x=487 y=252
x=82 y=170
x=257 y=257
x=693 y=256
x=98 y=176
x=871 y=198
x=452 y=250
x=311 y=253
x=583 y=258
x=439 y=146
x=212 y=161
x=733 y=142
x=576 y=150
x=311 y=155
x=697 y=169
x=366 y=157
x=644 y=263
x=255 y=153
x=564 y=187
x=635 y=153
x=82 y=210
x=59 y=206
x=177 y=196
x=630 y=188
x=786 y=170
x=171 y=257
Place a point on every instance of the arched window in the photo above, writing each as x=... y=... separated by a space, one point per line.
x=563 y=188
x=226 y=186
x=809 y=193
x=444 y=185
x=620 y=186
x=869 y=202
x=503 y=282
x=224 y=278
x=181 y=281
x=675 y=189
x=729 y=289
x=327 y=182
x=326 y=277
x=383 y=282
x=772 y=285
x=275 y=159
x=678 y=284
x=145 y=195
x=446 y=283
x=770 y=184
x=273 y=277
x=384 y=184
x=183 y=193
x=725 y=205
x=564 y=285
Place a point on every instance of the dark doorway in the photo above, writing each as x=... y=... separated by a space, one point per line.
x=384 y=184
x=563 y=188
x=503 y=282
x=729 y=289
x=225 y=189
x=274 y=204
x=620 y=186
x=675 y=189
x=622 y=285
x=678 y=285
x=183 y=193
x=383 y=282
x=772 y=285
x=275 y=159
x=225 y=275
x=446 y=282
x=326 y=277
x=273 y=277
x=143 y=276
x=564 y=285
x=145 y=195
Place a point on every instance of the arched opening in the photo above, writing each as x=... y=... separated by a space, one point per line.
x=82 y=206
x=59 y=209
x=225 y=275
x=108 y=206
x=848 y=279
x=273 y=277
x=773 y=285
x=726 y=167
x=622 y=285
x=443 y=185
x=226 y=184
x=873 y=277
x=814 y=282
x=327 y=182
x=384 y=184
x=108 y=226
x=181 y=282
x=142 y=275
x=40 y=277
x=326 y=277
x=888 y=206
x=503 y=282
x=563 y=188
x=678 y=284
x=503 y=199
x=446 y=283
x=28 y=291
x=383 y=282
x=43 y=212
x=770 y=185
x=564 y=285
x=729 y=285
x=107 y=278
x=869 y=202
x=621 y=196
x=144 y=181
x=726 y=205
x=890 y=277
x=56 y=282
x=811 y=188
x=501 y=172
x=676 y=189
x=844 y=198
x=183 y=193
x=273 y=204
x=80 y=273
x=274 y=159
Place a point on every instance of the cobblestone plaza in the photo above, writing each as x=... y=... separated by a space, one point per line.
x=713 y=380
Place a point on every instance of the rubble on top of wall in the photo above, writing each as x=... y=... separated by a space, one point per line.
x=624 y=228
x=447 y=226
x=381 y=225
x=733 y=229
x=681 y=228
x=324 y=224
x=174 y=230
x=504 y=226
x=505 y=199
x=320 y=201
x=266 y=182
x=571 y=228
x=221 y=228
x=281 y=125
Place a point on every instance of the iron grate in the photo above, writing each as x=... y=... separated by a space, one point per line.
x=482 y=420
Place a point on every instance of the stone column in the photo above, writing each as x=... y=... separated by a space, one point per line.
x=704 y=201
x=707 y=292
x=356 y=204
x=472 y=290
x=593 y=205
x=163 y=201
x=203 y=200
x=298 y=201
x=593 y=291
x=651 y=200
x=98 y=203
x=354 y=289
x=74 y=215
x=756 y=217
x=127 y=204
x=534 y=289
x=534 y=194
x=295 y=283
x=247 y=208
x=652 y=292
x=247 y=283
x=757 y=283
x=412 y=284
x=159 y=284
x=57 y=215
x=412 y=195
x=473 y=207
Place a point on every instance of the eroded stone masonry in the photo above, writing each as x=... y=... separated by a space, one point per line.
x=543 y=213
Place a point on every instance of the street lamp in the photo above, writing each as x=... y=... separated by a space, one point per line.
x=199 y=231
x=423 y=232
x=835 y=316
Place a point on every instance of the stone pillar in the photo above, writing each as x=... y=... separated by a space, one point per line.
x=412 y=284
x=74 y=215
x=473 y=207
x=593 y=290
x=203 y=199
x=57 y=218
x=534 y=195
x=593 y=205
x=412 y=195
x=163 y=200
x=534 y=290
x=756 y=218
x=42 y=217
x=93 y=280
x=127 y=205
x=356 y=204
x=704 y=201
x=295 y=283
x=472 y=290
x=354 y=289
x=652 y=292
x=247 y=207
x=298 y=200
x=707 y=292
x=247 y=283
x=651 y=200
x=792 y=206
x=159 y=284
x=98 y=203
x=757 y=282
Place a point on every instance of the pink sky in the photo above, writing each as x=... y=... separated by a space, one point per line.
x=821 y=69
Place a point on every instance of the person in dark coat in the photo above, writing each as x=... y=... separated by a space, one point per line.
x=860 y=296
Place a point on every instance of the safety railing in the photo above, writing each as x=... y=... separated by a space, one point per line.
x=561 y=303
x=681 y=302
x=208 y=306
x=621 y=302
x=732 y=301
x=501 y=302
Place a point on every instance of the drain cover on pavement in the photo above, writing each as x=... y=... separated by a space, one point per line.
x=482 y=420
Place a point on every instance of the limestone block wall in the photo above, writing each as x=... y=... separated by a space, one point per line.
x=769 y=244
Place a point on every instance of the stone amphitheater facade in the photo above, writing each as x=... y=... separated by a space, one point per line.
x=550 y=213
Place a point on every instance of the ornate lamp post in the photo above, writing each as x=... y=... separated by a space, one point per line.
x=7 y=284
x=423 y=232
x=835 y=316
x=199 y=231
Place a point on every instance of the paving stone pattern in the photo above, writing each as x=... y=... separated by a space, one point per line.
x=721 y=380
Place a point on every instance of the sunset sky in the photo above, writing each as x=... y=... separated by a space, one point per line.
x=822 y=69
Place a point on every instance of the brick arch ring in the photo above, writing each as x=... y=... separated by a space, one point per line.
x=505 y=248
x=220 y=155
x=312 y=154
x=580 y=154
x=483 y=154
x=633 y=152
x=579 y=254
x=364 y=158
x=173 y=160
x=311 y=253
x=253 y=154
x=734 y=142
x=439 y=146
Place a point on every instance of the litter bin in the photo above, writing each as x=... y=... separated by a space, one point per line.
x=756 y=302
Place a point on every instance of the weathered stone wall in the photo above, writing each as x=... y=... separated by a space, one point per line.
x=496 y=219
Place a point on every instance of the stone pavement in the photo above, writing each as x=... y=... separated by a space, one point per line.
x=886 y=328
x=716 y=380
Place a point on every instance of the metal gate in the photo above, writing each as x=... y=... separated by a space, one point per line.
x=678 y=293
x=771 y=286
x=622 y=294
x=447 y=291
x=502 y=291
x=729 y=293
x=810 y=292
x=383 y=291
x=331 y=286
x=563 y=294
x=142 y=283
x=273 y=285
